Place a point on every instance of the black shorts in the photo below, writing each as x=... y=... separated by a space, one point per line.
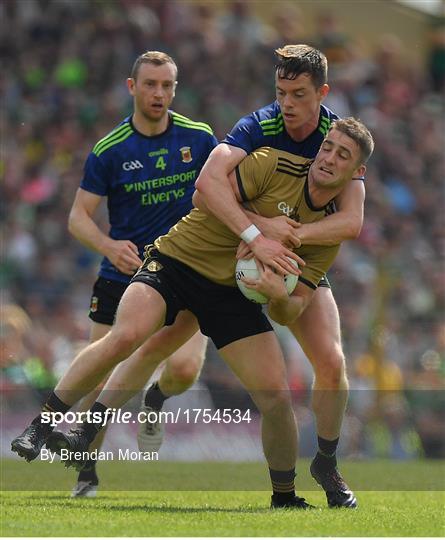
x=324 y=282
x=223 y=313
x=105 y=299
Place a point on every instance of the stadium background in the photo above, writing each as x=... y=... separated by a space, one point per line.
x=63 y=87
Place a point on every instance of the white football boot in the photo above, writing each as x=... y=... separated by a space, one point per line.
x=150 y=434
x=84 y=488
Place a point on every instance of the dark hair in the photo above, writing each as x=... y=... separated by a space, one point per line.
x=152 y=57
x=358 y=132
x=293 y=60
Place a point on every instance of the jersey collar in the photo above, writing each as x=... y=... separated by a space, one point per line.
x=151 y=137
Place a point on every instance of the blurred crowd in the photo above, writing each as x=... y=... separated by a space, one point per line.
x=63 y=88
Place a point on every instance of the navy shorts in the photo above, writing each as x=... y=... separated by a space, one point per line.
x=105 y=299
x=223 y=313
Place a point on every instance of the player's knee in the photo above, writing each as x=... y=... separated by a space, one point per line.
x=185 y=370
x=273 y=402
x=330 y=370
x=124 y=340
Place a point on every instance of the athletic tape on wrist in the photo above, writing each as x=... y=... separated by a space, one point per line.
x=249 y=234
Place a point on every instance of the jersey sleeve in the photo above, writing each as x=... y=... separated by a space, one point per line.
x=318 y=260
x=207 y=144
x=255 y=172
x=96 y=176
x=246 y=134
x=212 y=143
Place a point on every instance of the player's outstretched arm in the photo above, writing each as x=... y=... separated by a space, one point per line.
x=345 y=224
x=219 y=194
x=122 y=253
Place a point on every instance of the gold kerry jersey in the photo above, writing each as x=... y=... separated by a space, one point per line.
x=271 y=183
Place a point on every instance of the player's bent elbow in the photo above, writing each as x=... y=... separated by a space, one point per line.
x=354 y=228
x=348 y=225
x=288 y=314
x=196 y=199
x=72 y=224
x=221 y=162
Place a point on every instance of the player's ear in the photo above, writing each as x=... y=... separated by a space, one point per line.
x=323 y=91
x=130 y=85
x=359 y=172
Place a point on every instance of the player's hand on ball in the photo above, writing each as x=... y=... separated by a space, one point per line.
x=272 y=253
x=261 y=283
x=244 y=251
x=282 y=229
x=269 y=283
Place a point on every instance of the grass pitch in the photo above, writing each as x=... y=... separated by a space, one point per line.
x=210 y=513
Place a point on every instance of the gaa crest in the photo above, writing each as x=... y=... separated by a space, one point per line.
x=94 y=304
x=154 y=266
x=186 y=154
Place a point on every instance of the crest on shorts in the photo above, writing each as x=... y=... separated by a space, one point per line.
x=94 y=304
x=186 y=154
x=154 y=266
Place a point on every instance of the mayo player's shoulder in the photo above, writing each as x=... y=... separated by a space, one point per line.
x=185 y=123
x=116 y=136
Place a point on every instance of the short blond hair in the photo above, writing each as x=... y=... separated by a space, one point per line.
x=156 y=58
